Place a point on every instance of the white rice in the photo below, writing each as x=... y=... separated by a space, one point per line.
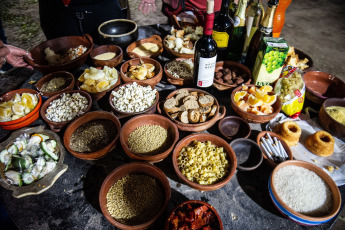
x=303 y=190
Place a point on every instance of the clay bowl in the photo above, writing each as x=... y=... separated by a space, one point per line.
x=296 y=216
x=253 y=117
x=233 y=66
x=60 y=46
x=248 y=154
x=194 y=204
x=197 y=127
x=149 y=119
x=330 y=125
x=156 y=39
x=173 y=53
x=178 y=81
x=287 y=149
x=120 y=114
x=57 y=126
x=120 y=32
x=321 y=86
x=301 y=56
x=23 y=121
x=134 y=168
x=219 y=142
x=87 y=118
x=233 y=127
x=113 y=62
x=136 y=61
x=47 y=78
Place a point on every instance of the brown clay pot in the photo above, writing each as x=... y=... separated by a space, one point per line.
x=50 y=76
x=104 y=49
x=327 y=122
x=233 y=127
x=156 y=39
x=177 y=81
x=175 y=54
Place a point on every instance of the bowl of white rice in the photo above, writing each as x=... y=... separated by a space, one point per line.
x=304 y=193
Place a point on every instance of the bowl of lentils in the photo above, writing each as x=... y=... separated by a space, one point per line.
x=55 y=83
x=134 y=195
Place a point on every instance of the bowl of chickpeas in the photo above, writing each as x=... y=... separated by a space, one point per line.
x=204 y=161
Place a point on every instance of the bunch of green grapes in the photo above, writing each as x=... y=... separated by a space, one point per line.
x=274 y=60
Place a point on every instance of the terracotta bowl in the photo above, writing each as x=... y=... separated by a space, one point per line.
x=197 y=127
x=214 y=140
x=120 y=114
x=127 y=169
x=136 y=61
x=233 y=66
x=149 y=119
x=321 y=86
x=60 y=46
x=248 y=154
x=296 y=216
x=233 y=127
x=87 y=118
x=194 y=204
x=301 y=56
x=26 y=120
x=50 y=76
x=57 y=126
x=156 y=39
x=175 y=54
x=253 y=117
x=177 y=81
x=327 y=122
x=104 y=49
x=287 y=149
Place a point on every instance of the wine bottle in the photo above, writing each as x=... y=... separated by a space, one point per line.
x=265 y=30
x=205 y=55
x=222 y=30
x=239 y=33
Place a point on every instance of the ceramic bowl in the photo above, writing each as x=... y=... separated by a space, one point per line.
x=149 y=119
x=134 y=168
x=156 y=39
x=45 y=182
x=48 y=77
x=194 y=204
x=248 y=154
x=321 y=86
x=57 y=126
x=287 y=149
x=233 y=66
x=120 y=32
x=174 y=53
x=253 y=117
x=60 y=46
x=178 y=81
x=327 y=122
x=233 y=127
x=26 y=120
x=88 y=117
x=301 y=56
x=113 y=62
x=298 y=217
x=219 y=142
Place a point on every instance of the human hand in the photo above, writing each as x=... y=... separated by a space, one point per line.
x=16 y=57
x=4 y=51
x=146 y=5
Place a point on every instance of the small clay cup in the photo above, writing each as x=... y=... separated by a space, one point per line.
x=233 y=127
x=69 y=77
x=248 y=154
x=113 y=62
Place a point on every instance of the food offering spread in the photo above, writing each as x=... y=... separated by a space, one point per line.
x=58 y=59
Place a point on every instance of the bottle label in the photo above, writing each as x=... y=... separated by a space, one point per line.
x=249 y=24
x=206 y=71
x=221 y=38
x=265 y=30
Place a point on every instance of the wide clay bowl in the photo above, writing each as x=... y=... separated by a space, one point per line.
x=174 y=53
x=248 y=154
x=321 y=86
x=60 y=46
x=178 y=81
x=233 y=127
x=217 y=141
x=156 y=39
x=120 y=32
x=250 y=117
x=287 y=149
x=329 y=124
x=233 y=66
x=57 y=126
x=26 y=120
x=194 y=204
x=69 y=85
x=113 y=62
x=197 y=127
x=88 y=117
x=128 y=169
x=301 y=56
x=296 y=216
x=136 y=61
